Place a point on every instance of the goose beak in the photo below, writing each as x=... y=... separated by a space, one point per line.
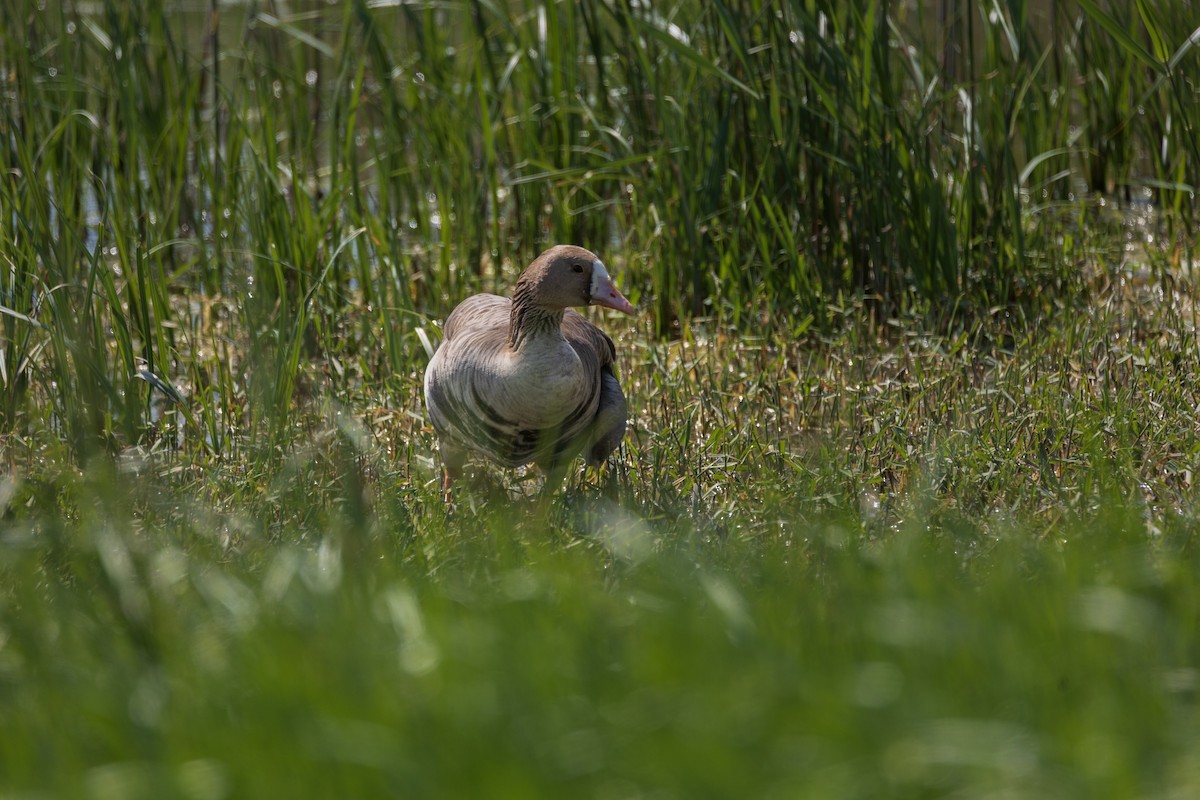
x=605 y=294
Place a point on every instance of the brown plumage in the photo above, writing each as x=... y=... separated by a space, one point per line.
x=529 y=380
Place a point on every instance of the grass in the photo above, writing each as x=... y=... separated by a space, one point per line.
x=907 y=506
x=529 y=663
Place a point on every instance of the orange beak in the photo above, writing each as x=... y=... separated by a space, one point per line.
x=604 y=293
x=607 y=295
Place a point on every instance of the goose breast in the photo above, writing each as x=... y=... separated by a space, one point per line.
x=513 y=410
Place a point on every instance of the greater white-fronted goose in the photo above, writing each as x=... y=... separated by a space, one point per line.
x=529 y=380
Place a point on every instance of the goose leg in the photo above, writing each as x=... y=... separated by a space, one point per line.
x=555 y=475
x=453 y=460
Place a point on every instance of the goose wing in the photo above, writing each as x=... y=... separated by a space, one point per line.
x=598 y=354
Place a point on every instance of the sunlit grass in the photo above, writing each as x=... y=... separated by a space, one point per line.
x=915 y=565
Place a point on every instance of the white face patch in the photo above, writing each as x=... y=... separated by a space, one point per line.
x=599 y=278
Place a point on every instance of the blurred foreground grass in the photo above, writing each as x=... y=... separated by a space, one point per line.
x=598 y=656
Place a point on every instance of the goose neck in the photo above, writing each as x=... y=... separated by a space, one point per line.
x=529 y=322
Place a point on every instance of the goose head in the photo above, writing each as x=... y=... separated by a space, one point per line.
x=567 y=276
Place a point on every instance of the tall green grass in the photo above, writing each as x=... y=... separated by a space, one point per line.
x=368 y=166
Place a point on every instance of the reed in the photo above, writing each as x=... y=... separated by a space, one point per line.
x=738 y=160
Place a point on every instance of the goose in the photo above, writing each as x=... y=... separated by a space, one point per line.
x=529 y=379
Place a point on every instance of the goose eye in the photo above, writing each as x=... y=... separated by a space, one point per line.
x=577 y=267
